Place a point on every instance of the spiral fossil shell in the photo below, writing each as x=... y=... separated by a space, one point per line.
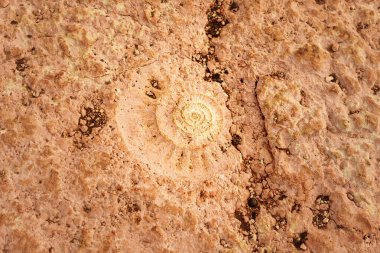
x=192 y=122
x=183 y=131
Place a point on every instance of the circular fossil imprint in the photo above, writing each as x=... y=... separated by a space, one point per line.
x=192 y=122
x=182 y=131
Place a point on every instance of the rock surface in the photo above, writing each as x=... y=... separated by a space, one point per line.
x=189 y=126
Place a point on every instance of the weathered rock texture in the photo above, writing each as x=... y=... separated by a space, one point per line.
x=189 y=126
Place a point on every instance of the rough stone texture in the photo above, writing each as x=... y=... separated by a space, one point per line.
x=292 y=164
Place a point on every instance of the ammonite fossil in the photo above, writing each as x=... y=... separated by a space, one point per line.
x=181 y=130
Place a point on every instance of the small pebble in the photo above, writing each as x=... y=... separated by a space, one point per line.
x=252 y=202
x=84 y=128
x=329 y=78
x=324 y=207
x=334 y=47
x=83 y=112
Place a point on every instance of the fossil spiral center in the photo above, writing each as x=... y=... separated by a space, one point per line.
x=194 y=120
x=195 y=116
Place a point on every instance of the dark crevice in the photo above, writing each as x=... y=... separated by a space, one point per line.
x=300 y=239
x=263 y=118
x=216 y=21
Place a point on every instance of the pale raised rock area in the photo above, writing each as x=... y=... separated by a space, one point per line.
x=189 y=126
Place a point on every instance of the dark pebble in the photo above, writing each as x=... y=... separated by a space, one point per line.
x=252 y=202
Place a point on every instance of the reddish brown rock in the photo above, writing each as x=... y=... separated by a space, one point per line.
x=189 y=126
